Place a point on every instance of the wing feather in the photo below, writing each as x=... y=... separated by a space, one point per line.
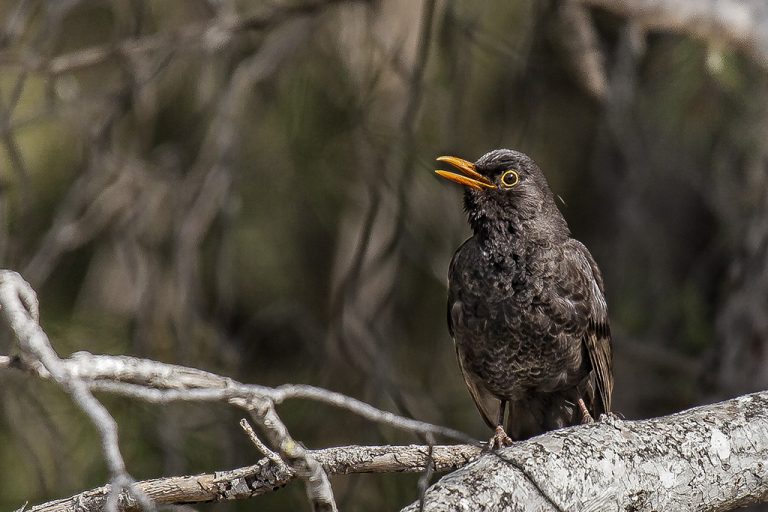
x=486 y=403
x=597 y=337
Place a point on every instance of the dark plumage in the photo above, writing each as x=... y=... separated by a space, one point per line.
x=526 y=306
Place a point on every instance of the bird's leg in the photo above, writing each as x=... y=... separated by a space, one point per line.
x=500 y=438
x=585 y=416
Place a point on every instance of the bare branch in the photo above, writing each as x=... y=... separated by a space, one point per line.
x=18 y=303
x=159 y=382
x=708 y=458
x=266 y=475
x=365 y=410
x=264 y=449
x=296 y=456
x=711 y=456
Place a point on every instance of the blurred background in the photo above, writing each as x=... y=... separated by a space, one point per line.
x=248 y=188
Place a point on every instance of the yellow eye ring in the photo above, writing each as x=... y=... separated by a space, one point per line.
x=510 y=178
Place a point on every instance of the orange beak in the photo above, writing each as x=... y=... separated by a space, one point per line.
x=470 y=177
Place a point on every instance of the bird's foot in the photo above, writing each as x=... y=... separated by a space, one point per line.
x=585 y=416
x=500 y=439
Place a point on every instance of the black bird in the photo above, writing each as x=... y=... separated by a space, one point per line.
x=526 y=307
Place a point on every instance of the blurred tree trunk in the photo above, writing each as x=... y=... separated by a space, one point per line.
x=739 y=174
x=741 y=355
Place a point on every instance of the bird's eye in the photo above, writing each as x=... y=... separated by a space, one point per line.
x=510 y=178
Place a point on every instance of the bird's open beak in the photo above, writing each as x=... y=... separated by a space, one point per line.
x=470 y=177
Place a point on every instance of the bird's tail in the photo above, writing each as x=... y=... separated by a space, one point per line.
x=550 y=411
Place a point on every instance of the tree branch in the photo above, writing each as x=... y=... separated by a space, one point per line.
x=297 y=457
x=18 y=303
x=709 y=458
x=268 y=475
x=157 y=382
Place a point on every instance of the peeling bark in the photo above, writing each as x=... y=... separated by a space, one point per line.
x=709 y=458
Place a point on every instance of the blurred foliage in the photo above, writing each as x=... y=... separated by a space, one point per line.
x=255 y=200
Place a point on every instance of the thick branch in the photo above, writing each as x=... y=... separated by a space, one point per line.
x=267 y=475
x=711 y=458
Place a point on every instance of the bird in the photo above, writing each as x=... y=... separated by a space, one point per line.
x=526 y=304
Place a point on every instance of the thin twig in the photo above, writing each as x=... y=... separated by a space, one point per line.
x=264 y=449
x=157 y=382
x=426 y=476
x=298 y=458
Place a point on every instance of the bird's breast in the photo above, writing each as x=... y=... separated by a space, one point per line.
x=508 y=326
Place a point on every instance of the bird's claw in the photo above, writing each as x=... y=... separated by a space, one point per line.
x=586 y=418
x=500 y=439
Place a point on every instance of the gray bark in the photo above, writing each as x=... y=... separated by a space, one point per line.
x=711 y=458
x=268 y=475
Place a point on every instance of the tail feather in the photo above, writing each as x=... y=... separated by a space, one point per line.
x=544 y=412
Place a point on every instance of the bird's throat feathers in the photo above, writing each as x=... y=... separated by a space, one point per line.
x=513 y=228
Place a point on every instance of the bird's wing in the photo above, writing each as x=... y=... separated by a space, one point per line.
x=452 y=299
x=597 y=335
x=486 y=403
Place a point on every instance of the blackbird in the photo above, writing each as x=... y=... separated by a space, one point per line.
x=526 y=306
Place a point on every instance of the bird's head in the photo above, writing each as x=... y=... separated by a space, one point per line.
x=504 y=187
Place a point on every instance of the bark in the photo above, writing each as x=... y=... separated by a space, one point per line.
x=711 y=458
x=268 y=475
